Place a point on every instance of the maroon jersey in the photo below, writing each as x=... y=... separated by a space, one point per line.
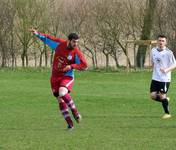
x=63 y=56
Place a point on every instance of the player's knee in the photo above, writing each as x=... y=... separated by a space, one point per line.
x=62 y=91
x=153 y=96
x=163 y=96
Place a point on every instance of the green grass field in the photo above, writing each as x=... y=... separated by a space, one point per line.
x=117 y=113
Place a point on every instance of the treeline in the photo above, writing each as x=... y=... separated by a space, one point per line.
x=104 y=27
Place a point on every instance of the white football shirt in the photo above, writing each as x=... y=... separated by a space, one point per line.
x=161 y=59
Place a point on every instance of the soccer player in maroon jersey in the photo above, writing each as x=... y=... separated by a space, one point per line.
x=67 y=57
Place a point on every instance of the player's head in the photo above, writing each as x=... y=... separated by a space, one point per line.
x=162 y=41
x=72 y=40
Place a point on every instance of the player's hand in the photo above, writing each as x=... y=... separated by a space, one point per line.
x=34 y=31
x=163 y=70
x=67 y=68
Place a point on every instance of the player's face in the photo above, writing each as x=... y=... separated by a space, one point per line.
x=72 y=44
x=162 y=42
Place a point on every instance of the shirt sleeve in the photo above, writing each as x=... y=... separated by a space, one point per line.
x=51 y=41
x=173 y=61
x=80 y=61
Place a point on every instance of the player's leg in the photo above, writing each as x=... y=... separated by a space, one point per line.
x=64 y=110
x=154 y=89
x=64 y=90
x=165 y=103
x=164 y=86
x=68 y=99
x=62 y=105
x=155 y=96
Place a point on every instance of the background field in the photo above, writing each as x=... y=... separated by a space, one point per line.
x=117 y=113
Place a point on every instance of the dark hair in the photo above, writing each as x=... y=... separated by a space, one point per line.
x=161 y=36
x=73 y=36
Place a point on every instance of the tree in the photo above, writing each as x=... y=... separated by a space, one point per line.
x=28 y=16
x=46 y=8
x=171 y=12
x=6 y=28
x=146 y=31
x=112 y=29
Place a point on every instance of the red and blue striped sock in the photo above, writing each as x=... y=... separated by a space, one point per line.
x=68 y=100
x=65 y=112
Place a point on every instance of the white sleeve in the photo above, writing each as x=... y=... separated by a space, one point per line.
x=172 y=59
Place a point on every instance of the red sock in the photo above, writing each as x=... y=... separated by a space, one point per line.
x=65 y=112
x=67 y=98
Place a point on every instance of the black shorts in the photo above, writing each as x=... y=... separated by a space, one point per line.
x=159 y=87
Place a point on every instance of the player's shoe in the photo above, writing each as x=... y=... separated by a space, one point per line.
x=78 y=118
x=69 y=127
x=166 y=116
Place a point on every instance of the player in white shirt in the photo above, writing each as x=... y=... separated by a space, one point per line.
x=163 y=62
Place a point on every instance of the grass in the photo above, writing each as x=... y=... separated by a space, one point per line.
x=117 y=113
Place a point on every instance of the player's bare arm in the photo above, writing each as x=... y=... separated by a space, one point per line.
x=166 y=70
